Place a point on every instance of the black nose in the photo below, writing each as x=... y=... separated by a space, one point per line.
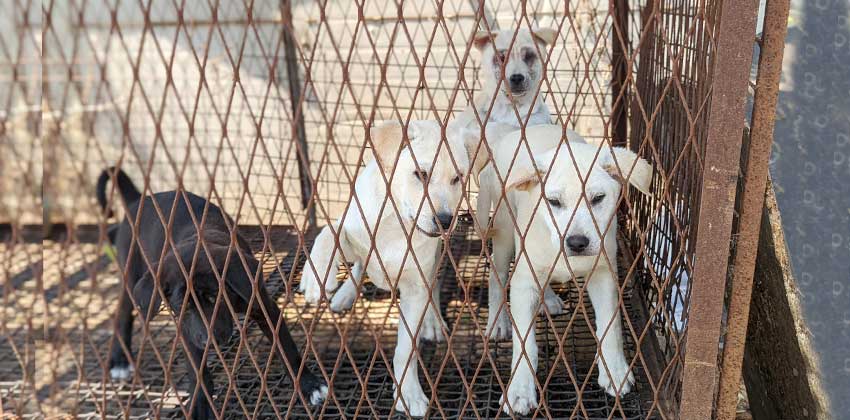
x=445 y=220
x=577 y=243
x=517 y=79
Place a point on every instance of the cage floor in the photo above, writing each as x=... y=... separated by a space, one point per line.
x=469 y=373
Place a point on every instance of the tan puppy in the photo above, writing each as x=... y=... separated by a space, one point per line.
x=426 y=186
x=574 y=221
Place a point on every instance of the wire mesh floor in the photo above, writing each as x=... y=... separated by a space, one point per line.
x=470 y=379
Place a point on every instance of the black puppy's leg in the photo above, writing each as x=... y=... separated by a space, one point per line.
x=120 y=369
x=313 y=388
x=202 y=409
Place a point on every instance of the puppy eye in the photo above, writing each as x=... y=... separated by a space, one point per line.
x=422 y=176
x=597 y=199
x=529 y=56
x=455 y=180
x=554 y=202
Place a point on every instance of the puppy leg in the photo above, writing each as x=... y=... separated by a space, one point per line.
x=498 y=321
x=201 y=407
x=604 y=296
x=552 y=302
x=522 y=392
x=312 y=387
x=120 y=369
x=319 y=275
x=343 y=299
x=410 y=398
x=433 y=327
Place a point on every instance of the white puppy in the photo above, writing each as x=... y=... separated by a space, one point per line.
x=506 y=103
x=426 y=182
x=581 y=190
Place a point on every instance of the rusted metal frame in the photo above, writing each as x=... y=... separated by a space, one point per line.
x=755 y=180
x=730 y=74
x=292 y=77
x=620 y=45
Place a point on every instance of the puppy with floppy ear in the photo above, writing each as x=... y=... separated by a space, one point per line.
x=404 y=204
x=199 y=299
x=508 y=98
x=570 y=233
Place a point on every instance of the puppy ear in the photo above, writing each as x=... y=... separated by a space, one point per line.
x=386 y=140
x=622 y=163
x=483 y=39
x=545 y=35
x=523 y=176
x=146 y=295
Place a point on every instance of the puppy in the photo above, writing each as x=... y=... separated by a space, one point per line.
x=513 y=96
x=241 y=277
x=426 y=185
x=567 y=242
x=512 y=99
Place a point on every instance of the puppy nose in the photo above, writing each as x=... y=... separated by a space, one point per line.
x=517 y=79
x=445 y=220
x=577 y=243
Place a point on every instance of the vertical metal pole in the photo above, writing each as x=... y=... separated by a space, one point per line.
x=730 y=74
x=619 y=73
x=761 y=140
x=304 y=175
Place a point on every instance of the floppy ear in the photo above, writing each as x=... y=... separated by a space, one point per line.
x=386 y=140
x=621 y=163
x=483 y=39
x=523 y=176
x=545 y=35
x=146 y=295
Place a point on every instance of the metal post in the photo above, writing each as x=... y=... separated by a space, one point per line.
x=730 y=73
x=764 y=111
x=304 y=175
x=619 y=73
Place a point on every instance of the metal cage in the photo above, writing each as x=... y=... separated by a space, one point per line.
x=263 y=107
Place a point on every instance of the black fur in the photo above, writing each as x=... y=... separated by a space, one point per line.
x=238 y=279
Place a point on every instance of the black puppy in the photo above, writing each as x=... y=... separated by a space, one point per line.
x=238 y=279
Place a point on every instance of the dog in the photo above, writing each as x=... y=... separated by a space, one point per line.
x=426 y=178
x=506 y=103
x=217 y=251
x=568 y=225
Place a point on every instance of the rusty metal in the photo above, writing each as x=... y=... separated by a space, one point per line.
x=730 y=74
x=294 y=81
x=191 y=96
x=620 y=59
x=755 y=179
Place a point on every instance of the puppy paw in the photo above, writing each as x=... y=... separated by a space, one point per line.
x=343 y=300
x=499 y=328
x=620 y=377
x=417 y=403
x=522 y=397
x=552 y=303
x=319 y=395
x=432 y=327
x=312 y=289
x=121 y=373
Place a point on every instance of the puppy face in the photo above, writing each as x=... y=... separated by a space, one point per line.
x=583 y=196
x=522 y=62
x=428 y=176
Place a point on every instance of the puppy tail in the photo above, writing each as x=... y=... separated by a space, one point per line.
x=128 y=190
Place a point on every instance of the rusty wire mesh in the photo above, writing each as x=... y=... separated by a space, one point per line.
x=263 y=108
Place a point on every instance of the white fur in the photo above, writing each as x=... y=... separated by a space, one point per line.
x=544 y=247
x=121 y=373
x=391 y=228
x=319 y=395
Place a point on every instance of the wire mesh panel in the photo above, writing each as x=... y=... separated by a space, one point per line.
x=365 y=209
